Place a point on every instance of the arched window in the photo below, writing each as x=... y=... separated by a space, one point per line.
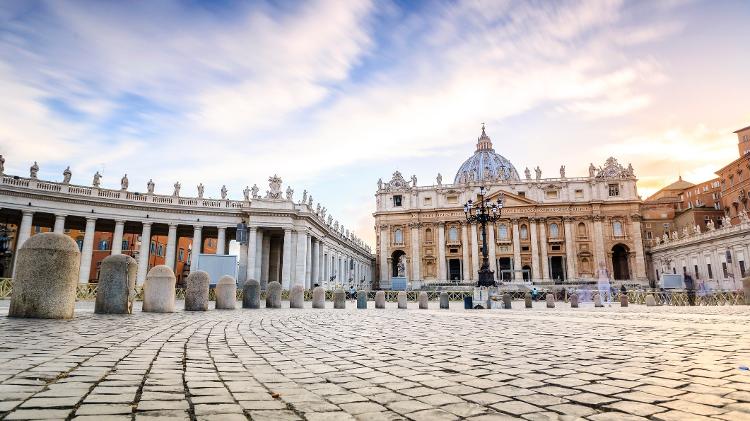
x=582 y=230
x=103 y=245
x=428 y=235
x=453 y=234
x=502 y=232
x=554 y=231
x=398 y=236
x=524 y=232
x=617 y=228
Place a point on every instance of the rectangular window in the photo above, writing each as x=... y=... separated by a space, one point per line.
x=522 y=194
x=181 y=255
x=614 y=190
x=550 y=194
x=428 y=201
x=742 y=268
x=649 y=235
x=710 y=271
x=695 y=269
x=397 y=200
x=724 y=269
x=124 y=244
x=452 y=199
x=579 y=194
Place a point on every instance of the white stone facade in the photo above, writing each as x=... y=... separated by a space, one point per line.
x=290 y=242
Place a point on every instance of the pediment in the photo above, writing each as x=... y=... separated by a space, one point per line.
x=511 y=199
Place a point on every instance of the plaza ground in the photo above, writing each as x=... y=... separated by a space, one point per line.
x=663 y=363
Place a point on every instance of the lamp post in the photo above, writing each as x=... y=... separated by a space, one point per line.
x=483 y=212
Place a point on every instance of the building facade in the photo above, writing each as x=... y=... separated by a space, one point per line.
x=283 y=240
x=552 y=229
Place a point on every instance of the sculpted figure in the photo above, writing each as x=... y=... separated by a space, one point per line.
x=254 y=191
x=246 y=193
x=744 y=218
x=414 y=180
x=97 y=179
x=592 y=170
x=710 y=225
x=336 y=226
x=150 y=186
x=124 y=182
x=289 y=194
x=304 y=196
x=309 y=201
x=380 y=184
x=630 y=170
x=323 y=212
x=34 y=170
x=2 y=164
x=685 y=231
x=538 y=172
x=665 y=238
x=224 y=192
x=200 y=190
x=439 y=180
x=317 y=209
x=177 y=187
x=727 y=221
x=401 y=268
x=697 y=229
x=674 y=235
x=329 y=220
x=527 y=173
x=66 y=175
x=562 y=171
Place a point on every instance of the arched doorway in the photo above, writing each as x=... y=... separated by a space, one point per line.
x=620 y=267
x=395 y=257
x=526 y=273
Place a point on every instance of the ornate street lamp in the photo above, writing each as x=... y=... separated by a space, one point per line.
x=483 y=212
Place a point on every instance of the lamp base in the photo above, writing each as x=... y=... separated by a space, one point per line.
x=486 y=278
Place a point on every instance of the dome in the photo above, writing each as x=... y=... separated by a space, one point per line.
x=485 y=164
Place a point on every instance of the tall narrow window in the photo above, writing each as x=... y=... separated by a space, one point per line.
x=554 y=231
x=428 y=235
x=617 y=228
x=582 y=229
x=502 y=232
x=524 y=232
x=453 y=234
x=398 y=236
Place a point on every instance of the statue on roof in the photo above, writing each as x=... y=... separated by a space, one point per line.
x=34 y=170
x=97 y=179
x=527 y=173
x=200 y=190
x=224 y=192
x=124 y=182
x=150 y=186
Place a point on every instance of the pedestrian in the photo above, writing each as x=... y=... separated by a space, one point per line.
x=689 y=287
x=534 y=294
x=603 y=283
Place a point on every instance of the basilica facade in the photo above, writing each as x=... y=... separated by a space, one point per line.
x=550 y=229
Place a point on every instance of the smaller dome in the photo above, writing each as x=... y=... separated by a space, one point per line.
x=485 y=164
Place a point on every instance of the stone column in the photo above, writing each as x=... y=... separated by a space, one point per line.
x=87 y=250
x=242 y=274
x=258 y=254
x=416 y=273
x=441 y=252
x=265 y=260
x=516 y=249
x=534 y=249
x=315 y=263
x=640 y=260
x=286 y=268
x=465 y=251
x=321 y=263
x=59 y=224
x=171 y=247
x=492 y=248
x=543 y=246
x=474 y=252
x=308 y=261
x=252 y=246
x=384 y=241
x=23 y=234
x=197 y=247
x=599 y=243
x=143 y=253
x=570 y=259
x=117 y=237
x=301 y=259
x=221 y=241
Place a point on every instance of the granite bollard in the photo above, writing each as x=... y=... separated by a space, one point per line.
x=624 y=300
x=115 y=291
x=527 y=300
x=251 y=294
x=273 y=295
x=507 y=301
x=361 y=300
x=423 y=300
x=550 y=300
x=444 y=301
x=319 y=298
x=401 y=297
x=297 y=296
x=746 y=288
x=650 y=300
x=598 y=301
x=339 y=299
x=574 y=300
x=380 y=299
x=196 y=291
x=158 y=290
x=226 y=293
x=46 y=277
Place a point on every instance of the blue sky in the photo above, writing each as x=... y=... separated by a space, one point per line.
x=334 y=95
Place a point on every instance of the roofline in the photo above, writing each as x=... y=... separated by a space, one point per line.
x=731 y=163
x=744 y=128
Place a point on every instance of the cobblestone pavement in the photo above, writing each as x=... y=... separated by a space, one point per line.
x=597 y=364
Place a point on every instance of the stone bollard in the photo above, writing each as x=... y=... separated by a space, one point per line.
x=297 y=296
x=507 y=301
x=401 y=297
x=339 y=299
x=251 y=294
x=158 y=290
x=380 y=299
x=226 y=293
x=550 y=300
x=116 y=289
x=362 y=300
x=444 y=301
x=196 y=291
x=598 y=301
x=624 y=300
x=273 y=295
x=423 y=301
x=44 y=286
x=574 y=301
x=746 y=288
x=650 y=300
x=527 y=300
x=319 y=298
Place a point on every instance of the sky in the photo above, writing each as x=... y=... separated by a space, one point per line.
x=332 y=95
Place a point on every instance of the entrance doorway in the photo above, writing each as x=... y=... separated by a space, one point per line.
x=620 y=265
x=454 y=269
x=395 y=257
x=557 y=268
x=527 y=273
x=504 y=267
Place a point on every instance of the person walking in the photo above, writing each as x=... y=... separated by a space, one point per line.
x=689 y=287
x=603 y=284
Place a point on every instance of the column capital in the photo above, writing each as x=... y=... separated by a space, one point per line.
x=197 y=227
x=146 y=223
x=172 y=226
x=90 y=219
x=61 y=215
x=27 y=212
x=120 y=222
